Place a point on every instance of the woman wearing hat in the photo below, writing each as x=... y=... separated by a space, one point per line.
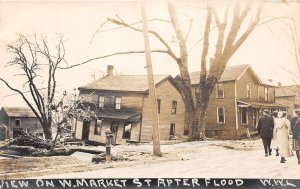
x=282 y=134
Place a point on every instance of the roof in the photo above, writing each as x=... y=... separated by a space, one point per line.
x=263 y=105
x=116 y=114
x=284 y=91
x=18 y=112
x=230 y=73
x=137 y=83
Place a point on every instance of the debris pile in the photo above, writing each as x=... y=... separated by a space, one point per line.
x=101 y=158
x=25 y=139
x=31 y=145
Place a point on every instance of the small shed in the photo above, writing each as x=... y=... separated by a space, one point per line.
x=17 y=119
x=3 y=129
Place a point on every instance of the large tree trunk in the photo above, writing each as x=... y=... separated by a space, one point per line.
x=47 y=130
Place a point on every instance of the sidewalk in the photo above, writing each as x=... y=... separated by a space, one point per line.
x=239 y=159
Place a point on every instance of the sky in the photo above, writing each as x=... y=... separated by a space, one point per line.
x=268 y=49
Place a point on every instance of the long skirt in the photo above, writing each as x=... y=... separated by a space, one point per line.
x=296 y=145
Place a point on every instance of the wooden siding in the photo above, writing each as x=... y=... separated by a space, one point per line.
x=130 y=101
x=106 y=124
x=78 y=129
x=141 y=131
x=228 y=102
x=288 y=101
x=167 y=93
x=247 y=78
x=271 y=94
x=30 y=123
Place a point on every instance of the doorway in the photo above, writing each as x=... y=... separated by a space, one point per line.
x=255 y=117
x=85 y=130
x=127 y=130
x=172 y=131
x=114 y=129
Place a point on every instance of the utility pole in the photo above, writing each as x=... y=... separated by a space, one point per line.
x=152 y=95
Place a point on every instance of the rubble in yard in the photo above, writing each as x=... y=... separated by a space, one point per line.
x=31 y=145
x=101 y=158
x=25 y=139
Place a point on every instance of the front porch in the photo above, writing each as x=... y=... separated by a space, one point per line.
x=124 y=125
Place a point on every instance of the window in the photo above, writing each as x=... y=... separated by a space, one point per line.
x=248 y=90
x=244 y=115
x=118 y=103
x=101 y=101
x=18 y=122
x=221 y=115
x=174 y=107
x=158 y=105
x=220 y=90
x=98 y=127
x=172 y=131
x=266 y=93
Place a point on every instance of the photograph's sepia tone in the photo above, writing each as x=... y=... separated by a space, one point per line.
x=115 y=93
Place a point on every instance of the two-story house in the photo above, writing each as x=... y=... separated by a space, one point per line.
x=19 y=118
x=289 y=95
x=236 y=102
x=122 y=105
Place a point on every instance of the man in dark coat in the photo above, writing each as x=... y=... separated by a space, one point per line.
x=295 y=125
x=265 y=130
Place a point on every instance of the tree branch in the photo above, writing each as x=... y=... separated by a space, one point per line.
x=189 y=30
x=24 y=98
x=206 y=40
x=122 y=23
x=221 y=27
x=249 y=30
x=110 y=55
x=179 y=35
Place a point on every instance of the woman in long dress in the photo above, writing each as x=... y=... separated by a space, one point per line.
x=282 y=135
x=274 y=139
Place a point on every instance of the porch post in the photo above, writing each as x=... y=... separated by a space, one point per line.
x=236 y=108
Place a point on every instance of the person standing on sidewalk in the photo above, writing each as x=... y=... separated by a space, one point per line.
x=274 y=138
x=265 y=128
x=282 y=133
x=295 y=122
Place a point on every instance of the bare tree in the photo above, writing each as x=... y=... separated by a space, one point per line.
x=296 y=41
x=225 y=48
x=31 y=57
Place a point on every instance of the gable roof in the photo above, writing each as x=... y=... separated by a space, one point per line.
x=134 y=83
x=18 y=112
x=231 y=73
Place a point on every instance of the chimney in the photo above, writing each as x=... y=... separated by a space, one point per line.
x=271 y=80
x=110 y=70
x=279 y=84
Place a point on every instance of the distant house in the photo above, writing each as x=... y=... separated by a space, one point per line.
x=289 y=95
x=236 y=101
x=122 y=105
x=19 y=118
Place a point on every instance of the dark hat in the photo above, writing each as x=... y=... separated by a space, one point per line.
x=266 y=111
x=275 y=113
